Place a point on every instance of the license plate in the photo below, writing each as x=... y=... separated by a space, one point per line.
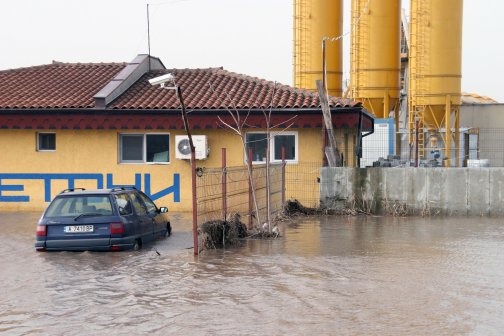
x=79 y=228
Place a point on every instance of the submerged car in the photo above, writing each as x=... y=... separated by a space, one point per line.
x=101 y=220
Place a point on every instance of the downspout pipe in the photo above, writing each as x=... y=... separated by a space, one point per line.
x=358 y=149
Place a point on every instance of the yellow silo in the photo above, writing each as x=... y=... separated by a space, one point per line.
x=314 y=20
x=375 y=55
x=435 y=68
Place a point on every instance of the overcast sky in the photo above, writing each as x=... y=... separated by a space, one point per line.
x=253 y=37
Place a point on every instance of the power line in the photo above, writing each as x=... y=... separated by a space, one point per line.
x=167 y=2
x=148 y=35
x=337 y=38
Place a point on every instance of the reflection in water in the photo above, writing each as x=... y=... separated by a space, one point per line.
x=329 y=275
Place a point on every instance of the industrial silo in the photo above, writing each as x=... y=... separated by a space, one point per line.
x=435 y=69
x=314 y=20
x=375 y=55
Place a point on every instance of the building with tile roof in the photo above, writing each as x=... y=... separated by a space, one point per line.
x=102 y=124
x=474 y=99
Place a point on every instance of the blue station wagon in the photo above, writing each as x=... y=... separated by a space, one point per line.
x=101 y=220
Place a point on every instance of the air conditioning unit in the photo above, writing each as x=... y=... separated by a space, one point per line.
x=183 y=149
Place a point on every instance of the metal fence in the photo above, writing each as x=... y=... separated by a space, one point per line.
x=475 y=147
x=303 y=183
x=222 y=191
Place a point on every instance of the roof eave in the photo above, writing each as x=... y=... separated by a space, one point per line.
x=97 y=110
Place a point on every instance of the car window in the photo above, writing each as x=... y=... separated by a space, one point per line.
x=138 y=204
x=151 y=207
x=78 y=204
x=123 y=203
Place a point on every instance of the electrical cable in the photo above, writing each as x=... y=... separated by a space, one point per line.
x=337 y=38
x=167 y=2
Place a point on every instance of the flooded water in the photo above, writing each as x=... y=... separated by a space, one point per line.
x=326 y=276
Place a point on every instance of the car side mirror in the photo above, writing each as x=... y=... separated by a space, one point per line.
x=163 y=210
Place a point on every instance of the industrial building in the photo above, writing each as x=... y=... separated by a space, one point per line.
x=407 y=73
x=66 y=125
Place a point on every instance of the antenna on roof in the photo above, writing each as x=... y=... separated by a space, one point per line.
x=148 y=36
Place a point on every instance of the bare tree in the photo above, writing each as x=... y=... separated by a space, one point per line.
x=267 y=113
x=238 y=125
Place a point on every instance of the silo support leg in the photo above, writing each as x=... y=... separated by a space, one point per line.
x=448 y=131
x=386 y=105
x=398 y=135
x=457 y=137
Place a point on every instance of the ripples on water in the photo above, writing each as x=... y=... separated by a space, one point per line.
x=331 y=276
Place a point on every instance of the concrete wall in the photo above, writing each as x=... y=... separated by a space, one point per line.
x=426 y=191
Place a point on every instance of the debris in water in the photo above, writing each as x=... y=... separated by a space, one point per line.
x=294 y=207
x=219 y=233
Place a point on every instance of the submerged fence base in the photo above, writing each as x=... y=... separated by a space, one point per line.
x=415 y=191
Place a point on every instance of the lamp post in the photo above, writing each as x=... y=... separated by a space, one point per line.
x=162 y=80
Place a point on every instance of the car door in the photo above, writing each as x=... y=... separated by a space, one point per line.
x=152 y=210
x=125 y=209
x=145 y=221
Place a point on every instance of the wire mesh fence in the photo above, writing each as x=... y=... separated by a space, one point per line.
x=472 y=147
x=222 y=191
x=303 y=183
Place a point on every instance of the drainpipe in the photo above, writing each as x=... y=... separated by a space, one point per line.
x=358 y=150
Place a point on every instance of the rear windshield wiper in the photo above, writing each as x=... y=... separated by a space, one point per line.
x=87 y=214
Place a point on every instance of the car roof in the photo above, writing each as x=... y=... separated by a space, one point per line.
x=74 y=192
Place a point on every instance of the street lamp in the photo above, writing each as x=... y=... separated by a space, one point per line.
x=162 y=81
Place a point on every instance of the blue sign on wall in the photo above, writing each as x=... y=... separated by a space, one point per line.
x=71 y=178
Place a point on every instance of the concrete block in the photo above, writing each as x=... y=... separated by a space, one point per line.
x=327 y=183
x=478 y=191
x=375 y=188
x=416 y=188
x=349 y=185
x=332 y=183
x=395 y=184
x=436 y=195
x=456 y=192
x=496 y=191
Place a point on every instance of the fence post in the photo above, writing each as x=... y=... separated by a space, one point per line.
x=194 y=202
x=249 y=162
x=224 y=185
x=283 y=176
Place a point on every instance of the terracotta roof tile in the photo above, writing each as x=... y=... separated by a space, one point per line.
x=57 y=85
x=73 y=85
x=215 y=88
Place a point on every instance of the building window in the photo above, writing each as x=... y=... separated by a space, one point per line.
x=288 y=140
x=256 y=142
x=46 y=141
x=144 y=148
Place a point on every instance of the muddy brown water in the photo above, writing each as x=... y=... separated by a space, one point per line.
x=326 y=276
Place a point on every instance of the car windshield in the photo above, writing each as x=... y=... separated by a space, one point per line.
x=80 y=205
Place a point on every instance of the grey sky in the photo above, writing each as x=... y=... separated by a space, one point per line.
x=253 y=37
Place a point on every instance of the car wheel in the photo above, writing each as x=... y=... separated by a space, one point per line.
x=168 y=230
x=136 y=245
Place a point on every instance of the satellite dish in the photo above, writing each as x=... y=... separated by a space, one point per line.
x=184 y=147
